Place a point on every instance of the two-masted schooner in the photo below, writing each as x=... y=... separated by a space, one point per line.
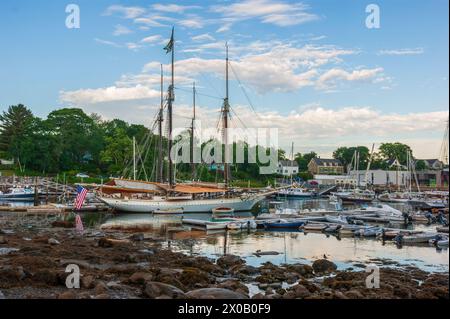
x=189 y=197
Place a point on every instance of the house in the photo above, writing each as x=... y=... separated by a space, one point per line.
x=6 y=162
x=433 y=164
x=287 y=168
x=322 y=166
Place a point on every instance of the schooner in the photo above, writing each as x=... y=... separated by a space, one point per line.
x=194 y=197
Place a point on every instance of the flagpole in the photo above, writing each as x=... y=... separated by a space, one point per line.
x=160 y=120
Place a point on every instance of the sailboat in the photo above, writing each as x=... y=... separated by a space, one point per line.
x=294 y=191
x=194 y=197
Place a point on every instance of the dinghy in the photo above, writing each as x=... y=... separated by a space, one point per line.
x=314 y=227
x=342 y=220
x=283 y=223
x=223 y=212
x=416 y=238
x=234 y=226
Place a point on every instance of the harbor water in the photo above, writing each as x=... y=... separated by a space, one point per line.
x=278 y=247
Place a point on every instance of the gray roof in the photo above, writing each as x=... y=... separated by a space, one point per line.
x=327 y=161
x=288 y=163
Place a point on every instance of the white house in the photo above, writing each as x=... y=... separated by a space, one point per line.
x=382 y=177
x=287 y=168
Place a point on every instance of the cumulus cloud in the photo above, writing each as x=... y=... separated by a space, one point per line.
x=330 y=78
x=108 y=94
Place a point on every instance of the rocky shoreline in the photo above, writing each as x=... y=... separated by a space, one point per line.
x=114 y=264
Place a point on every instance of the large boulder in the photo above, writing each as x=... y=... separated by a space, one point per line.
x=155 y=290
x=323 y=266
x=215 y=293
x=228 y=261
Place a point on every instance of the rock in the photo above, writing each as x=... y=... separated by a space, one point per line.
x=195 y=278
x=67 y=295
x=157 y=289
x=108 y=242
x=3 y=240
x=6 y=251
x=234 y=285
x=301 y=269
x=323 y=266
x=140 y=277
x=137 y=237
x=2 y=296
x=87 y=282
x=258 y=296
x=301 y=291
x=102 y=296
x=244 y=270
x=228 y=261
x=354 y=294
x=260 y=253
x=47 y=277
x=63 y=224
x=100 y=288
x=289 y=295
x=53 y=241
x=339 y=295
x=215 y=293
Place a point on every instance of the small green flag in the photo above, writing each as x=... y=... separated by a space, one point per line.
x=169 y=46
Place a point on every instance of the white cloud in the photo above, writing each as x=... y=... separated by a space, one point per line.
x=267 y=11
x=125 y=12
x=133 y=46
x=192 y=22
x=203 y=37
x=102 y=95
x=330 y=78
x=415 y=51
x=152 y=39
x=105 y=42
x=121 y=30
x=224 y=28
x=173 y=8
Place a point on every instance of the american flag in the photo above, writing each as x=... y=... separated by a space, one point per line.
x=79 y=224
x=82 y=192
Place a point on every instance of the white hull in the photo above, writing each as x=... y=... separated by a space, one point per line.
x=188 y=206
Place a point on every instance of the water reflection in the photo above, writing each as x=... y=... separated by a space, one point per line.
x=294 y=246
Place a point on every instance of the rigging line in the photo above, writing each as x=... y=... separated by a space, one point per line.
x=244 y=91
x=197 y=93
x=219 y=92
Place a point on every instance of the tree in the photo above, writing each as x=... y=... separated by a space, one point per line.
x=14 y=124
x=304 y=159
x=78 y=138
x=421 y=165
x=395 y=151
x=345 y=155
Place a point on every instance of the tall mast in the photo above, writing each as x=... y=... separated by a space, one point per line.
x=170 y=104
x=160 y=131
x=134 y=158
x=226 y=110
x=193 y=134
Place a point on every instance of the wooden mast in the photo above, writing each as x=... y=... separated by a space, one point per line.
x=226 y=110
x=160 y=177
x=194 y=173
x=170 y=104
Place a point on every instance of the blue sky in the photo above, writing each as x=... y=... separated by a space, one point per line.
x=311 y=68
